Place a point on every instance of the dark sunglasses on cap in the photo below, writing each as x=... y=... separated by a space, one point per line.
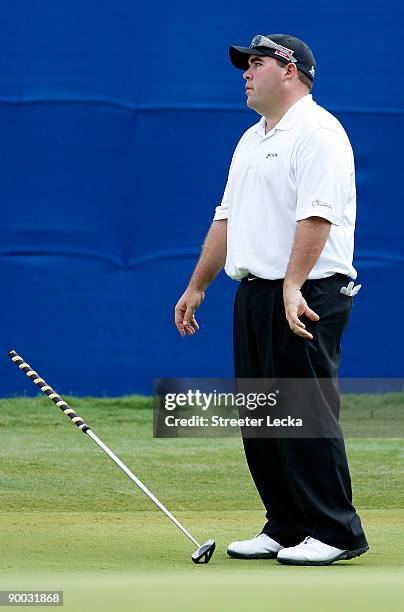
x=264 y=41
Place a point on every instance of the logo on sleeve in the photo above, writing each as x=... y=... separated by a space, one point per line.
x=322 y=204
x=272 y=155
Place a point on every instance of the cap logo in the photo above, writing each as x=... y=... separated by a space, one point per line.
x=312 y=71
x=284 y=52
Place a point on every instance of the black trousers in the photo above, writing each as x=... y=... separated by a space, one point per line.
x=304 y=483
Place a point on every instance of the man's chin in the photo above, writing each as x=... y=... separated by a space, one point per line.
x=250 y=103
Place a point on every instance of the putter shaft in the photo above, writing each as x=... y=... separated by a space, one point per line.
x=78 y=421
x=139 y=483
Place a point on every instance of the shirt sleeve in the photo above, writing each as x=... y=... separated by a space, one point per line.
x=222 y=211
x=324 y=175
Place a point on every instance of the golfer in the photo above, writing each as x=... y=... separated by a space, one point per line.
x=285 y=231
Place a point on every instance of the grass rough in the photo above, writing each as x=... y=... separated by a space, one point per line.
x=70 y=519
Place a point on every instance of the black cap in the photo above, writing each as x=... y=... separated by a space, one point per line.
x=294 y=47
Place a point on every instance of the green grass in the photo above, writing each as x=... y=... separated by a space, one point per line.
x=70 y=519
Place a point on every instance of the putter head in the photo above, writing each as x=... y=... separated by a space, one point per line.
x=203 y=553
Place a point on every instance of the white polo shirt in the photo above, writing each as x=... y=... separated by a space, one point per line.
x=303 y=167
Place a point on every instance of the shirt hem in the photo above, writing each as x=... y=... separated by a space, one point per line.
x=306 y=214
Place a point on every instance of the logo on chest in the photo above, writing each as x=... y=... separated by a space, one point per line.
x=272 y=155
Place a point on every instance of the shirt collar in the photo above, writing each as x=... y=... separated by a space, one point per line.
x=289 y=118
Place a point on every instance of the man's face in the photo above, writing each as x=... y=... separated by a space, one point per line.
x=263 y=82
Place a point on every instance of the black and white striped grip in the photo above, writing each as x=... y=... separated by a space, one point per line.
x=47 y=389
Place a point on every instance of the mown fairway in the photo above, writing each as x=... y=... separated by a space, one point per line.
x=70 y=519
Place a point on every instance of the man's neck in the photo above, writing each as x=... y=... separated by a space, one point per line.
x=275 y=116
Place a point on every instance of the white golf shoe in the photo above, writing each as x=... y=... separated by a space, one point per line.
x=260 y=547
x=314 y=552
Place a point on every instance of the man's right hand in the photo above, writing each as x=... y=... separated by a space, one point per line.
x=208 y=267
x=185 y=311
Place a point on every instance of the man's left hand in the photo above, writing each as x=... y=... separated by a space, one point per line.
x=295 y=307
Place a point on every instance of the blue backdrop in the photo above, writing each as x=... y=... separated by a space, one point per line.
x=118 y=121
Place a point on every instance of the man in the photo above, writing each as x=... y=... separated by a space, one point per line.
x=285 y=230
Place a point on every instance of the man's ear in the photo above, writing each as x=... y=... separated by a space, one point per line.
x=290 y=70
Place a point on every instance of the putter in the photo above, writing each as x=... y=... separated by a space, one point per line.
x=203 y=552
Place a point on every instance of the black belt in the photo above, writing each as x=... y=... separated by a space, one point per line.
x=252 y=277
x=342 y=277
